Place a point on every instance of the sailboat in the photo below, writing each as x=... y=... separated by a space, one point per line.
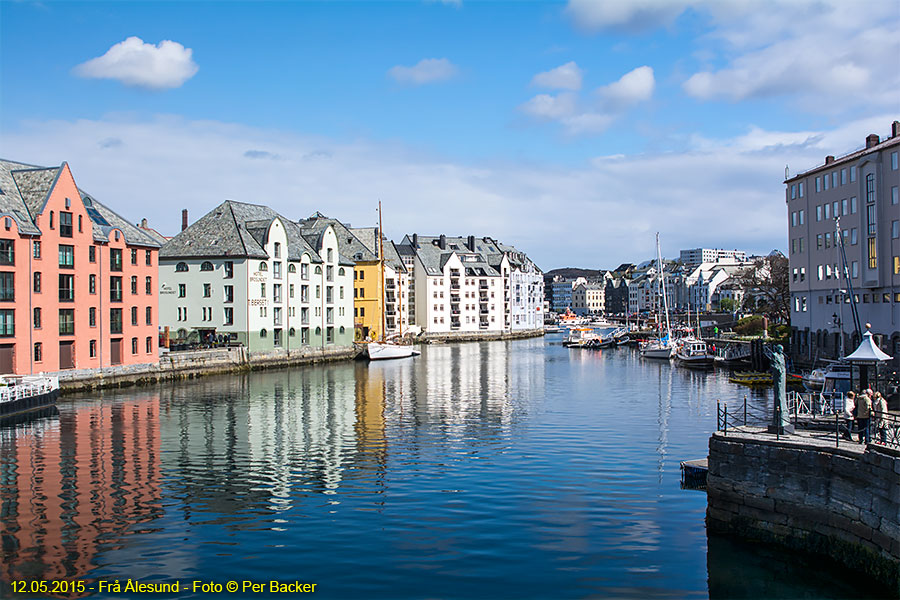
x=383 y=348
x=692 y=350
x=663 y=347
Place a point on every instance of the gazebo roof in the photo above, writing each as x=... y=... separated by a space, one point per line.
x=868 y=352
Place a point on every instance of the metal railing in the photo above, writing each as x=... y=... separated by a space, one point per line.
x=26 y=387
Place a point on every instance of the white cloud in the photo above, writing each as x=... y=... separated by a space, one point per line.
x=563 y=77
x=136 y=63
x=595 y=115
x=633 y=87
x=628 y=197
x=427 y=70
x=630 y=15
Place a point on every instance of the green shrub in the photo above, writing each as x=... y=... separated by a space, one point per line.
x=752 y=325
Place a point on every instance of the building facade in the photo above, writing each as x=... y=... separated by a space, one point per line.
x=695 y=256
x=246 y=274
x=77 y=281
x=847 y=206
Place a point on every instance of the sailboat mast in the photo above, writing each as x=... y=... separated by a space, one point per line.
x=381 y=264
x=662 y=275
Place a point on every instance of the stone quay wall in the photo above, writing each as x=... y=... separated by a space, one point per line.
x=196 y=363
x=798 y=492
x=477 y=336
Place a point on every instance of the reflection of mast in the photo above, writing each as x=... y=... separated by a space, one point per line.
x=662 y=420
x=381 y=264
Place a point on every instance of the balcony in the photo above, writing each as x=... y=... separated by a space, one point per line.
x=482 y=285
x=484 y=311
x=484 y=325
x=455 y=325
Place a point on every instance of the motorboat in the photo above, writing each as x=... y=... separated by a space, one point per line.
x=692 y=352
x=552 y=329
x=582 y=337
x=26 y=395
x=662 y=348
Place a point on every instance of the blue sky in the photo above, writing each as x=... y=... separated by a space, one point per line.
x=573 y=130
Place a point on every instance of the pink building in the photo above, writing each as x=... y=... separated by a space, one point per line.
x=78 y=285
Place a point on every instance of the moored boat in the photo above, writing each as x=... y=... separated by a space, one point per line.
x=21 y=396
x=692 y=352
x=385 y=350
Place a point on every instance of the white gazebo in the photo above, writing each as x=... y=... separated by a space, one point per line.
x=866 y=354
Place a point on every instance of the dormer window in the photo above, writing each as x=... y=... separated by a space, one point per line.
x=181 y=267
x=206 y=266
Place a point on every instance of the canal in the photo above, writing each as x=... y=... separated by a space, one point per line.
x=517 y=469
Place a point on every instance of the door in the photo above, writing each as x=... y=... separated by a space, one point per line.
x=116 y=351
x=66 y=355
x=7 y=357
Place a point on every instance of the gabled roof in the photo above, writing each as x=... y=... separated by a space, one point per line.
x=26 y=188
x=236 y=229
x=349 y=245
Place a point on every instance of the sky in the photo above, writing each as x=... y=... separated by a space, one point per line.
x=573 y=130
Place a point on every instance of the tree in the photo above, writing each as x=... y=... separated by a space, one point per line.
x=726 y=304
x=767 y=286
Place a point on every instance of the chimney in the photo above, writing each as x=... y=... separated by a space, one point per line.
x=471 y=243
x=184 y=222
x=871 y=140
x=442 y=242
x=415 y=240
x=829 y=159
x=895 y=128
x=144 y=223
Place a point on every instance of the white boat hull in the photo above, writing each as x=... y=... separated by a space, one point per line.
x=664 y=352
x=378 y=351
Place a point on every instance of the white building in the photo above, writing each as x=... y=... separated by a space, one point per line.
x=696 y=256
x=244 y=273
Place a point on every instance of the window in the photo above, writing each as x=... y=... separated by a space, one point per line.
x=134 y=315
x=330 y=255
x=181 y=267
x=51 y=220
x=92 y=254
x=329 y=273
x=148 y=258
x=115 y=259
x=895 y=196
x=262 y=290
x=341 y=272
x=36 y=248
x=852 y=205
x=800 y=188
x=229 y=293
x=819 y=238
x=793 y=192
x=843 y=176
x=827 y=207
x=134 y=256
x=852 y=174
x=148 y=315
x=115 y=320
x=276 y=270
x=834 y=179
x=873 y=259
x=318 y=270
x=304 y=272
x=819 y=213
x=93 y=348
x=329 y=294
x=801 y=216
x=844 y=206
x=92 y=317
x=263 y=266
x=206 y=266
x=134 y=284
x=66 y=288
x=292 y=268
x=67 y=321
x=65 y=224
x=92 y=284
x=895 y=230
x=182 y=290
x=318 y=292
x=818 y=185
x=291 y=290
x=229 y=269
x=67 y=257
x=134 y=345
x=853 y=237
x=870 y=219
x=7 y=287
x=148 y=285
x=115 y=289
x=229 y=315
x=304 y=336
x=825 y=180
x=277 y=250
x=263 y=333
x=828 y=240
x=38 y=352
x=834 y=210
x=148 y=344
x=37 y=282
x=329 y=335
x=893 y=161
x=870 y=188
x=207 y=290
x=37 y=318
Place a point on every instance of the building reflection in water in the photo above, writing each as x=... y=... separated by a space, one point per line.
x=77 y=485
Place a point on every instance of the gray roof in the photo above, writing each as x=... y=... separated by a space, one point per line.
x=433 y=257
x=236 y=229
x=350 y=248
x=369 y=235
x=26 y=188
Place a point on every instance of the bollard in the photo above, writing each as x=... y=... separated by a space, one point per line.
x=745 y=410
x=725 y=420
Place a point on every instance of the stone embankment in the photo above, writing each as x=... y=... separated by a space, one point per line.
x=807 y=494
x=195 y=363
x=476 y=336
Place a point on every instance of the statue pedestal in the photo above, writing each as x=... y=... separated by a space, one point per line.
x=780 y=430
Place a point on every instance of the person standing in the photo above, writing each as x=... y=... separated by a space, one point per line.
x=863 y=412
x=879 y=425
x=849 y=415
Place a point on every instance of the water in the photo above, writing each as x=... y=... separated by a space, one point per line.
x=482 y=470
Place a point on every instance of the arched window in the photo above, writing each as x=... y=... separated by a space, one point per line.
x=182 y=333
x=341 y=271
x=181 y=267
x=318 y=270
x=206 y=266
x=318 y=331
x=291 y=332
x=263 y=266
x=263 y=333
x=277 y=249
x=342 y=330
x=292 y=268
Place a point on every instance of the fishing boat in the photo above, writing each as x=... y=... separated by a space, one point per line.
x=22 y=396
x=384 y=348
x=663 y=347
x=692 y=352
x=582 y=337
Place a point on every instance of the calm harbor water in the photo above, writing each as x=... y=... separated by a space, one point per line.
x=483 y=470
